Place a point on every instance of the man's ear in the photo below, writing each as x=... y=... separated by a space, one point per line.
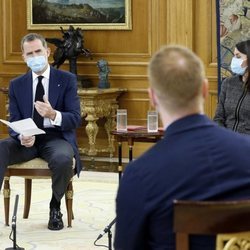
x=152 y=97
x=48 y=52
x=24 y=59
x=205 y=88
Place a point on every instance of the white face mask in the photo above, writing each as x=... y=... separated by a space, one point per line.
x=236 y=66
x=36 y=63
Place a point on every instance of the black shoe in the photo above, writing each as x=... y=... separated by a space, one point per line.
x=55 y=219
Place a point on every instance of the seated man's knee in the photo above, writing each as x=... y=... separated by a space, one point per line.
x=62 y=162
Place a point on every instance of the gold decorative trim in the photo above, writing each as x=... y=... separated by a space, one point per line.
x=69 y=195
x=96 y=104
x=127 y=25
x=6 y=193
x=239 y=241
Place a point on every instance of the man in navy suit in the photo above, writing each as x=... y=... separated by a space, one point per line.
x=196 y=159
x=59 y=113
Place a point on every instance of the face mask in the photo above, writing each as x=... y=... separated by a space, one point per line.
x=36 y=63
x=236 y=66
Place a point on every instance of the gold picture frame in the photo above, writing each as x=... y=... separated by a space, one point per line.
x=98 y=15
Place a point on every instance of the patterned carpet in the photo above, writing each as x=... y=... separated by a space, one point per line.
x=93 y=206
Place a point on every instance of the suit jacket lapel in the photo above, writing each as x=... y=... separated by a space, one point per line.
x=54 y=87
x=27 y=95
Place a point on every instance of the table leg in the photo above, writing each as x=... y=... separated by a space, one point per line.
x=120 y=160
x=130 y=152
x=109 y=126
x=130 y=144
x=91 y=130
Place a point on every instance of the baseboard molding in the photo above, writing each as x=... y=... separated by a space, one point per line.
x=102 y=164
x=103 y=159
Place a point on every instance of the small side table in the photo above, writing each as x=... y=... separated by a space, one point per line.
x=95 y=104
x=133 y=136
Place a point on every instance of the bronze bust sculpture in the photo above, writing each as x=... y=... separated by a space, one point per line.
x=104 y=71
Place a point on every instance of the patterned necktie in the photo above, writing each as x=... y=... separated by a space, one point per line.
x=38 y=97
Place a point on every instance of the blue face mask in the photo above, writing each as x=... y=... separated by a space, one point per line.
x=236 y=66
x=37 y=63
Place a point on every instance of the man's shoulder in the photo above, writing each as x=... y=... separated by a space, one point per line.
x=151 y=157
x=231 y=138
x=22 y=77
x=61 y=72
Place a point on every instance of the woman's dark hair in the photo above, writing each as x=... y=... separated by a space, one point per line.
x=244 y=48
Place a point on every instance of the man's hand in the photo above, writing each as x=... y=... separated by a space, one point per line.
x=27 y=141
x=45 y=109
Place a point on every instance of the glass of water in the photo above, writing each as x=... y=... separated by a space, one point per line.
x=121 y=120
x=152 y=121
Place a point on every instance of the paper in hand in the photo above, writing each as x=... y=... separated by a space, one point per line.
x=26 y=127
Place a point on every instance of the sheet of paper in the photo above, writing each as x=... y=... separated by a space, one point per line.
x=26 y=127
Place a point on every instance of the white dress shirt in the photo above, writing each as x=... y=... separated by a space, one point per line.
x=47 y=123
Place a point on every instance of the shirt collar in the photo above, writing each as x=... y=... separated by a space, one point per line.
x=45 y=74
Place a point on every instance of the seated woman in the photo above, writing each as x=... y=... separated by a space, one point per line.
x=233 y=109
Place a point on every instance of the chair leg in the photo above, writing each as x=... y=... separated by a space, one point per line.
x=182 y=241
x=69 y=201
x=27 y=198
x=6 y=195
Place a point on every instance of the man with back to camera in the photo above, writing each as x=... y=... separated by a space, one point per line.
x=56 y=110
x=196 y=159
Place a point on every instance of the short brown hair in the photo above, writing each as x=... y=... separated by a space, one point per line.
x=176 y=74
x=31 y=37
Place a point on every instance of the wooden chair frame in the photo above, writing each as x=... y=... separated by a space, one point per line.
x=209 y=218
x=33 y=169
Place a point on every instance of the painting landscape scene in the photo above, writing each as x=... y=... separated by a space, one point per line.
x=78 y=11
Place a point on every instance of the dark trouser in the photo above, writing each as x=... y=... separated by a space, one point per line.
x=56 y=151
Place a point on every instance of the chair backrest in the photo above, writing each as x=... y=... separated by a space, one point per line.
x=209 y=218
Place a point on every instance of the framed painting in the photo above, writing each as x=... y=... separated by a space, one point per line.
x=86 y=14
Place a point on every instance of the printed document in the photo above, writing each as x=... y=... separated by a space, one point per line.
x=26 y=127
